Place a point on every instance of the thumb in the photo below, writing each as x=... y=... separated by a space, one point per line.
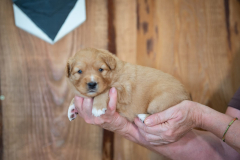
x=158 y=118
x=78 y=103
x=113 y=99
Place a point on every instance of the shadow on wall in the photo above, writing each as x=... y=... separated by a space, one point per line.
x=220 y=99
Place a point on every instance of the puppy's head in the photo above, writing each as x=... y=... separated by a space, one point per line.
x=90 y=71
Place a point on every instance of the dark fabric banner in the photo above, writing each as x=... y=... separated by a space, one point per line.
x=48 y=15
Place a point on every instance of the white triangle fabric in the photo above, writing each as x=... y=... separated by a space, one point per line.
x=76 y=17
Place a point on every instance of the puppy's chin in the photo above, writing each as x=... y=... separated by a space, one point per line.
x=87 y=94
x=92 y=93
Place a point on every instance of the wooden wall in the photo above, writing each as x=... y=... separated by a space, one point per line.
x=197 y=41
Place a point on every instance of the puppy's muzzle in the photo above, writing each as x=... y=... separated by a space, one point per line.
x=92 y=85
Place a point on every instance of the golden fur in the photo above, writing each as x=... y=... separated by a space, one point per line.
x=141 y=90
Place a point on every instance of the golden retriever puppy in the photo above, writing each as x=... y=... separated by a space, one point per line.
x=141 y=90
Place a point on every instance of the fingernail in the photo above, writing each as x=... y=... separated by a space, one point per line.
x=147 y=121
x=113 y=90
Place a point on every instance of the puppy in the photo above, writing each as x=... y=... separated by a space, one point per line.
x=141 y=91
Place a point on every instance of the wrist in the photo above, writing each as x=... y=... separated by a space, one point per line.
x=206 y=117
x=198 y=112
x=213 y=121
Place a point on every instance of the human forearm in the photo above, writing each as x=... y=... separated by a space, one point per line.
x=197 y=145
x=217 y=123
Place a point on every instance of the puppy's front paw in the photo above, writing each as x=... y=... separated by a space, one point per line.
x=72 y=112
x=98 y=112
x=142 y=117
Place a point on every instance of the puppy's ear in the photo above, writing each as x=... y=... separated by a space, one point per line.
x=108 y=59
x=68 y=68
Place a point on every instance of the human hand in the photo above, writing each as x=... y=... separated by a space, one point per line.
x=170 y=125
x=111 y=120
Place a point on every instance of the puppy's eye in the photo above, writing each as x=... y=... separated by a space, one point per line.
x=100 y=69
x=80 y=71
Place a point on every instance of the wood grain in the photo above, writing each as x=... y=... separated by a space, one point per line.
x=199 y=53
x=126 y=39
x=108 y=136
x=192 y=42
x=198 y=42
x=126 y=35
x=37 y=97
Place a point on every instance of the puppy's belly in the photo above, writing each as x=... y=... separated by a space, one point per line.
x=159 y=102
x=131 y=111
x=126 y=111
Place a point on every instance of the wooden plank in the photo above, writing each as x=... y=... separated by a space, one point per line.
x=125 y=24
x=126 y=40
x=233 y=79
x=126 y=32
x=192 y=42
x=193 y=45
x=146 y=32
x=37 y=97
x=108 y=136
x=196 y=41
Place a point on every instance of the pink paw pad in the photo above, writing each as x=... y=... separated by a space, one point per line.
x=72 y=112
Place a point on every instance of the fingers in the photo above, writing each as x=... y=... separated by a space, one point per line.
x=111 y=108
x=113 y=99
x=154 y=139
x=87 y=106
x=150 y=137
x=158 y=143
x=151 y=134
x=139 y=123
x=78 y=103
x=159 y=118
x=155 y=130
x=110 y=120
x=84 y=108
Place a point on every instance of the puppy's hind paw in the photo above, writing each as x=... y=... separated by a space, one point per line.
x=72 y=112
x=142 y=117
x=98 y=112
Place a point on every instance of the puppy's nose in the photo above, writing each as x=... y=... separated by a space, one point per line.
x=92 y=85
